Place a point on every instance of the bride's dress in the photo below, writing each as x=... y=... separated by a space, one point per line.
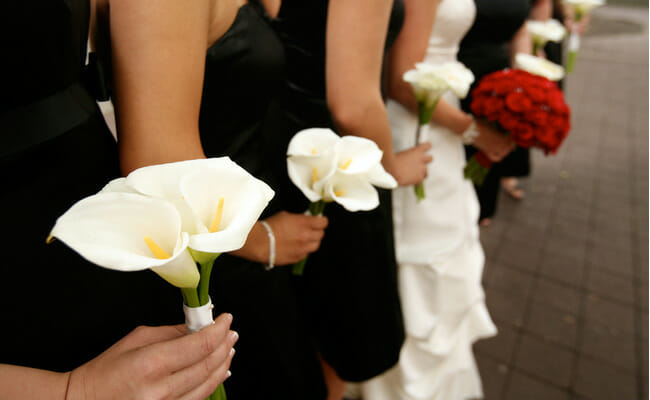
x=439 y=253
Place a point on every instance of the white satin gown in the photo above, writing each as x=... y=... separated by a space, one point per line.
x=438 y=250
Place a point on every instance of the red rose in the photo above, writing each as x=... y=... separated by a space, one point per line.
x=478 y=104
x=524 y=135
x=556 y=102
x=558 y=123
x=508 y=120
x=535 y=93
x=493 y=108
x=505 y=86
x=537 y=117
x=518 y=102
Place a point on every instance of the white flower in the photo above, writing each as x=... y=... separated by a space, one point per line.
x=427 y=87
x=582 y=7
x=353 y=192
x=539 y=66
x=218 y=200
x=327 y=167
x=458 y=77
x=541 y=32
x=129 y=232
x=312 y=159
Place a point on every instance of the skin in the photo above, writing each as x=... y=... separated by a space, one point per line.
x=149 y=362
x=410 y=48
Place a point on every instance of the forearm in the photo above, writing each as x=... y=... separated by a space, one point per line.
x=29 y=383
x=451 y=117
x=256 y=247
x=366 y=117
x=520 y=43
x=541 y=10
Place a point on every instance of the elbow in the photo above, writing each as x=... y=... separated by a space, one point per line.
x=348 y=112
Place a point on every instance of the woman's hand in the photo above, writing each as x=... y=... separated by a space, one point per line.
x=493 y=143
x=158 y=363
x=296 y=235
x=410 y=166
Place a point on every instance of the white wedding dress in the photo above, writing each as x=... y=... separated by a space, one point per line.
x=438 y=250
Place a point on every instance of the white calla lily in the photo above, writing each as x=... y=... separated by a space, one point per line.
x=539 y=66
x=306 y=171
x=129 y=232
x=427 y=87
x=118 y=185
x=356 y=155
x=353 y=192
x=313 y=142
x=378 y=176
x=195 y=185
x=226 y=201
x=550 y=30
x=455 y=74
x=582 y=7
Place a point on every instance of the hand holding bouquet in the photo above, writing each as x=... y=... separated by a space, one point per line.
x=579 y=9
x=529 y=108
x=329 y=168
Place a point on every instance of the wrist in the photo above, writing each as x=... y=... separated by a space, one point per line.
x=471 y=132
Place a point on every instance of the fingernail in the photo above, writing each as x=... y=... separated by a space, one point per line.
x=229 y=317
x=232 y=352
x=228 y=374
x=234 y=336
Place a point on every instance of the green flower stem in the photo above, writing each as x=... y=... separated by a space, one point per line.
x=299 y=267
x=419 y=191
x=536 y=47
x=571 y=61
x=190 y=297
x=219 y=393
x=204 y=281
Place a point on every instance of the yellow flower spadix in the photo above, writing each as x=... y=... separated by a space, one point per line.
x=157 y=251
x=314 y=175
x=313 y=151
x=216 y=221
x=346 y=165
x=339 y=193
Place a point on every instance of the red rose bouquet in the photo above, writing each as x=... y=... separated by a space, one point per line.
x=529 y=108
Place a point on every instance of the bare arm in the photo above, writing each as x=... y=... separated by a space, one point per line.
x=356 y=32
x=29 y=383
x=158 y=52
x=520 y=43
x=542 y=10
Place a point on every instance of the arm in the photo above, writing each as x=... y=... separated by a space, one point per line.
x=520 y=43
x=161 y=362
x=158 y=54
x=410 y=48
x=542 y=10
x=356 y=34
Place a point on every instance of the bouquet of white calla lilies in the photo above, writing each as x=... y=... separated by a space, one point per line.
x=129 y=232
x=168 y=218
x=539 y=66
x=429 y=83
x=542 y=32
x=580 y=8
x=329 y=168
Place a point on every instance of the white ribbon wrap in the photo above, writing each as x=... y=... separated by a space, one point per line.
x=197 y=318
x=574 y=41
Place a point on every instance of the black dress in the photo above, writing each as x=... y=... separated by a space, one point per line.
x=275 y=359
x=485 y=49
x=58 y=311
x=350 y=284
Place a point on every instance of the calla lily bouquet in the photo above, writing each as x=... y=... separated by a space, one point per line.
x=580 y=9
x=329 y=168
x=168 y=218
x=429 y=83
x=539 y=66
x=542 y=32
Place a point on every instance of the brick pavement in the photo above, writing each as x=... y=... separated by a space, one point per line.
x=566 y=276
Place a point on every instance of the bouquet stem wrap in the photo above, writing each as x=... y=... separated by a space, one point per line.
x=574 y=45
x=424 y=117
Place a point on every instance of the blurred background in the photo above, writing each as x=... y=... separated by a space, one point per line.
x=566 y=277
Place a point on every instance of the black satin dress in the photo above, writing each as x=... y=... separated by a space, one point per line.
x=58 y=311
x=275 y=359
x=350 y=283
x=485 y=49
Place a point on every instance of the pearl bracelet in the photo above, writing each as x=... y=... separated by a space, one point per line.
x=471 y=133
x=269 y=232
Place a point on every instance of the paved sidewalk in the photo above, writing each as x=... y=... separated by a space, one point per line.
x=566 y=277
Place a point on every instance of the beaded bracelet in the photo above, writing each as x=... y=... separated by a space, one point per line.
x=269 y=232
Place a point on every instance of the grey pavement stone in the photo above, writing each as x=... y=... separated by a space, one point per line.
x=614 y=316
x=505 y=307
x=557 y=295
x=524 y=387
x=599 y=381
x=499 y=347
x=493 y=375
x=552 y=325
x=611 y=347
x=611 y=286
x=547 y=361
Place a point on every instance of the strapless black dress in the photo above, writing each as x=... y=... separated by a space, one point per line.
x=485 y=49
x=58 y=311
x=275 y=359
x=350 y=284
